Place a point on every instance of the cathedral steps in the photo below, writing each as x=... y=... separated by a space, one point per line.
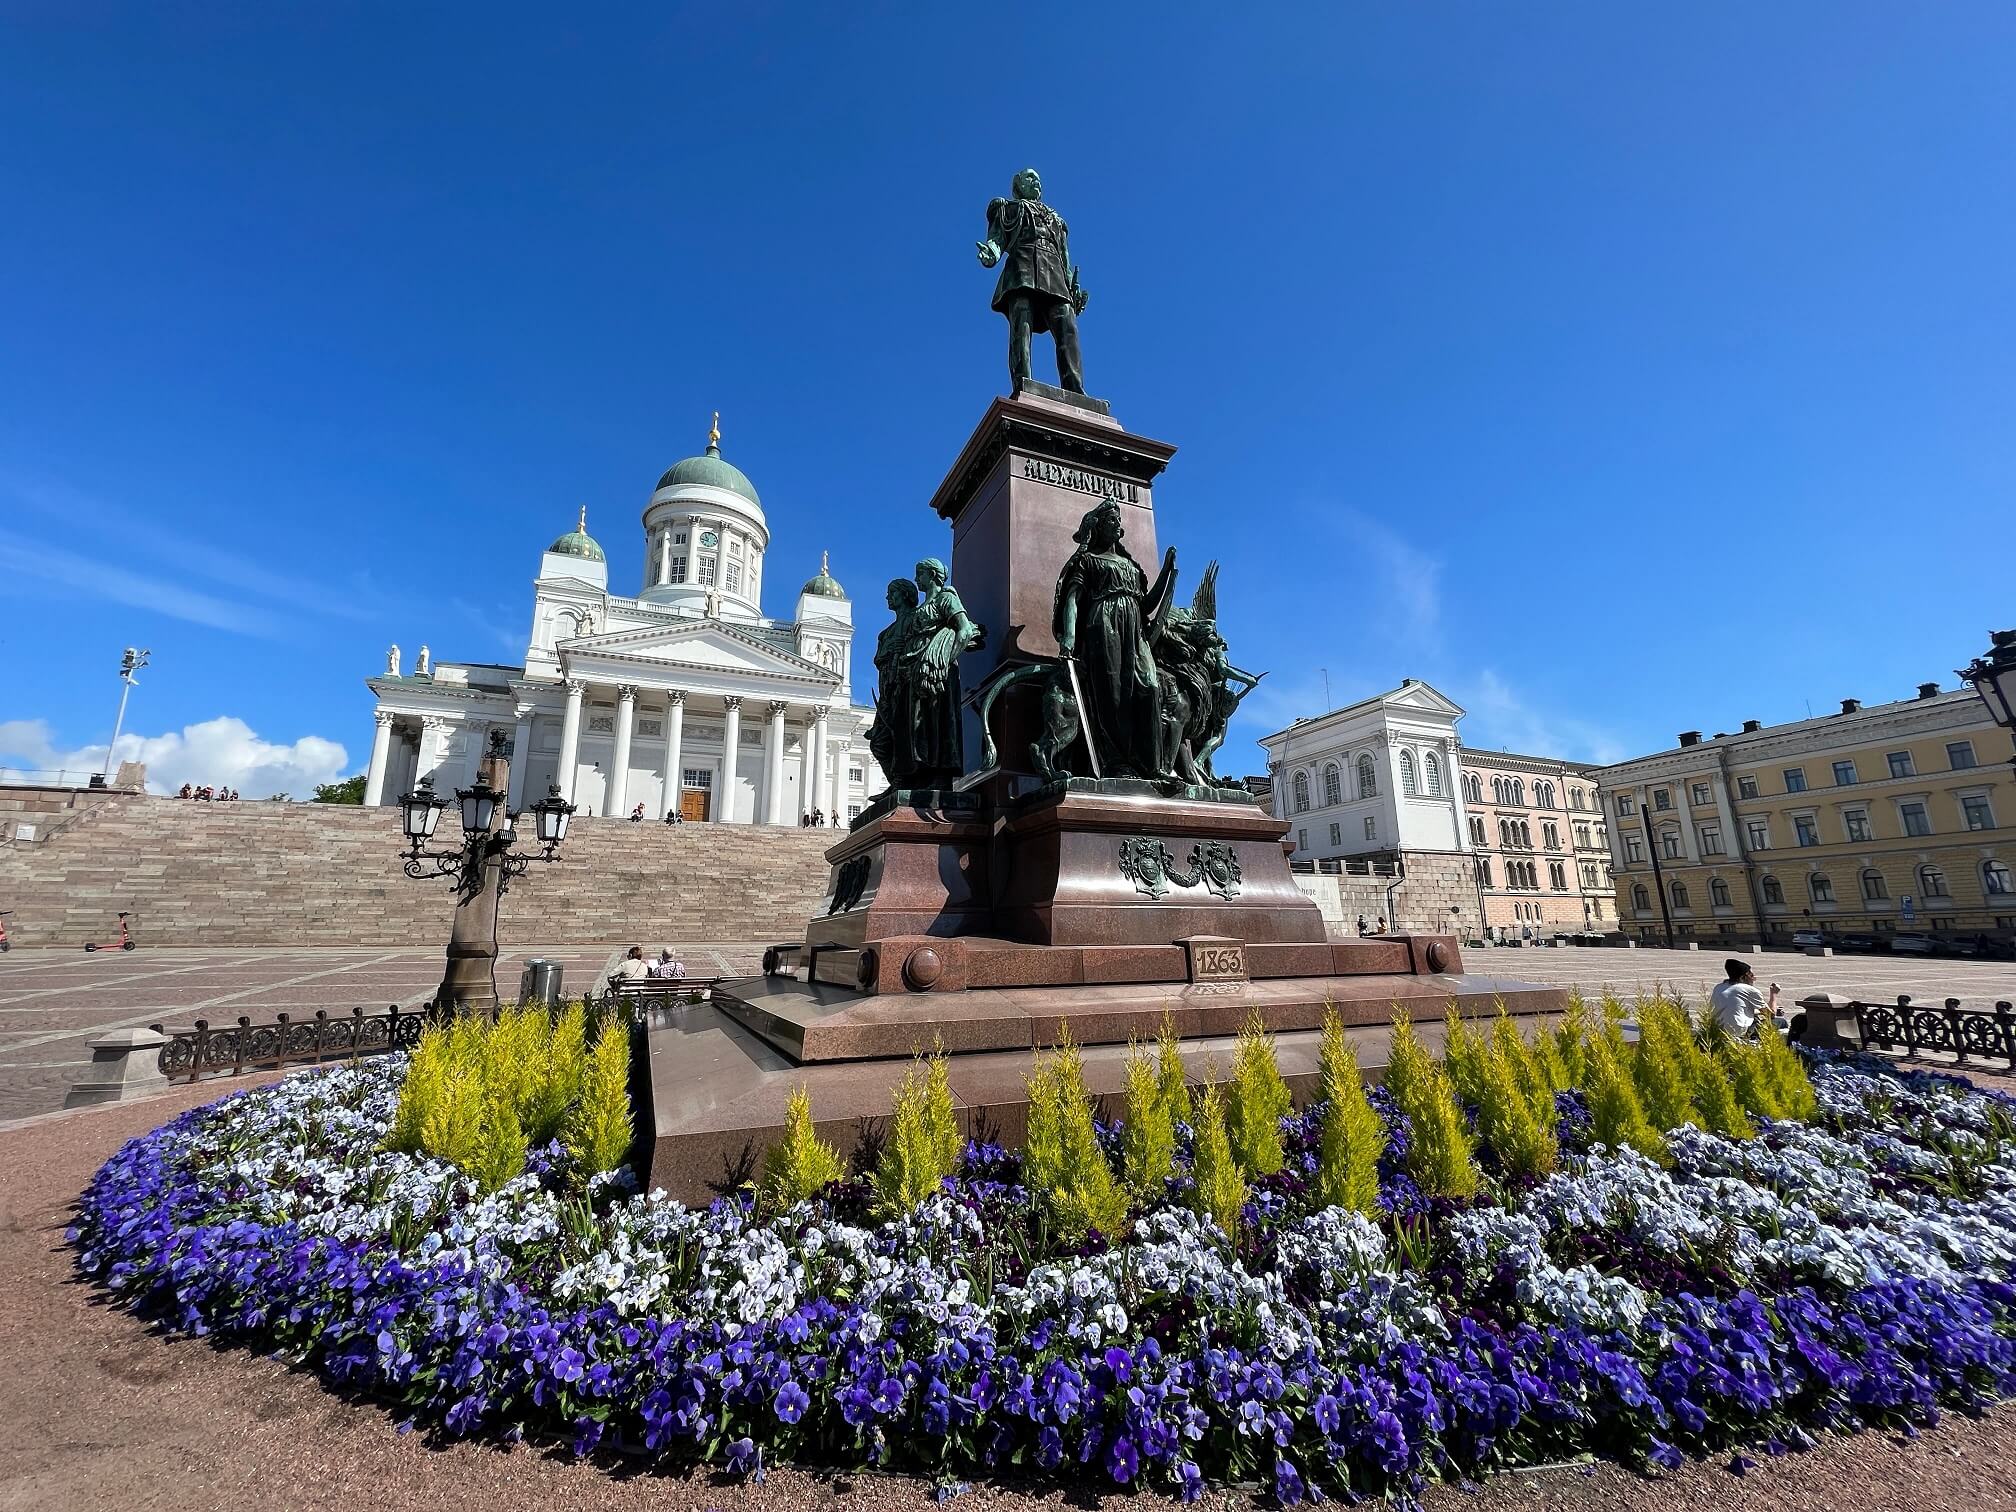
x=253 y=873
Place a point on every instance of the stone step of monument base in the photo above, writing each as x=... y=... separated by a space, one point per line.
x=718 y=1090
x=814 y=1021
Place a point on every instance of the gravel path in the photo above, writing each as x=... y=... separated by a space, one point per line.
x=97 y=1412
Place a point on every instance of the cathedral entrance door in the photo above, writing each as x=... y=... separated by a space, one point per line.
x=696 y=795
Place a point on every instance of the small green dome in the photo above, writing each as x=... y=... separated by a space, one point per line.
x=825 y=585
x=578 y=543
x=710 y=470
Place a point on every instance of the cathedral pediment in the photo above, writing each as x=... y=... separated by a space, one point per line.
x=712 y=646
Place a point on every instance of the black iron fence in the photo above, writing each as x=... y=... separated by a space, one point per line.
x=1910 y=1029
x=203 y=1049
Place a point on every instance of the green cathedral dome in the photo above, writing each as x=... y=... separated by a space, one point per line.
x=711 y=470
x=825 y=585
x=578 y=543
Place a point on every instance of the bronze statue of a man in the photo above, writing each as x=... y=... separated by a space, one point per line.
x=1038 y=288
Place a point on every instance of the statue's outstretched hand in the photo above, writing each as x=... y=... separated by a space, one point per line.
x=989 y=254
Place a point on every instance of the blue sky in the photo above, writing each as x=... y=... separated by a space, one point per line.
x=1618 y=369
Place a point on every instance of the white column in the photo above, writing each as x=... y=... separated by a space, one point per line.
x=618 y=789
x=570 y=738
x=675 y=738
x=815 y=780
x=731 y=749
x=431 y=727
x=381 y=748
x=521 y=761
x=665 y=555
x=773 y=765
x=836 y=805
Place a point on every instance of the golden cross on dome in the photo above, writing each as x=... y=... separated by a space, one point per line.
x=583 y=525
x=823 y=572
x=714 y=434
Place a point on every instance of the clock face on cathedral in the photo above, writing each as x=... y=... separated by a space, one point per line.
x=708 y=538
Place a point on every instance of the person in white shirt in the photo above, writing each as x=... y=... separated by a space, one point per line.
x=630 y=967
x=667 y=969
x=1737 y=1004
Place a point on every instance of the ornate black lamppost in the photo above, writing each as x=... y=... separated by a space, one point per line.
x=482 y=868
x=1994 y=678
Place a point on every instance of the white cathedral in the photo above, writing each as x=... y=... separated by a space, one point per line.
x=685 y=697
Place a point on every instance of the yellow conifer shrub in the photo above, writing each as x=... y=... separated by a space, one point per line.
x=1659 y=1067
x=800 y=1165
x=555 y=1086
x=1785 y=1073
x=1524 y=1146
x=923 y=1144
x=1351 y=1137
x=1062 y=1165
x=1439 y=1155
x=1218 y=1191
x=1616 y=1117
x=1462 y=1056
x=1148 y=1137
x=1256 y=1102
x=1173 y=1081
x=599 y=1131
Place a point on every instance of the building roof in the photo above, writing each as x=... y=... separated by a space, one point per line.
x=710 y=470
x=578 y=543
x=1928 y=698
x=1485 y=756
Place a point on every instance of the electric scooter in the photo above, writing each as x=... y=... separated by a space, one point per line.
x=5 y=943
x=124 y=942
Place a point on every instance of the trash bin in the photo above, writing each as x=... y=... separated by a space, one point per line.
x=540 y=982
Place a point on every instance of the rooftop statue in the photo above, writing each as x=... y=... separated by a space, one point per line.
x=1038 y=289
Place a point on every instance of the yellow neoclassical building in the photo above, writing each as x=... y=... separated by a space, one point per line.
x=1894 y=819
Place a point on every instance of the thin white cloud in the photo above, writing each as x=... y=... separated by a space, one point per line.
x=221 y=752
x=35 y=562
x=1499 y=718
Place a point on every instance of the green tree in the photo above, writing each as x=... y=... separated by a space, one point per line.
x=923 y=1145
x=349 y=790
x=800 y=1165
x=599 y=1131
x=1616 y=1117
x=1257 y=1102
x=1062 y=1165
x=1148 y=1137
x=1217 y=1190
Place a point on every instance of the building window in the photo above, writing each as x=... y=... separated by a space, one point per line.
x=1544 y=794
x=1900 y=764
x=1477 y=831
x=1874 y=888
x=1856 y=822
x=1746 y=787
x=1844 y=774
x=1669 y=845
x=734 y=583
x=1662 y=798
x=1711 y=839
x=1916 y=822
x=678 y=570
x=1641 y=900
x=1932 y=883
x=854 y=774
x=1773 y=891
x=1757 y=834
x=1302 y=840
x=1557 y=876
x=1996 y=881
x=1368 y=778
x=1633 y=849
x=1806 y=829
x=1625 y=806
x=1975 y=810
x=1336 y=834
x=1371 y=828
x=1718 y=892
x=1795 y=779
x=678 y=538
x=1701 y=795
x=1960 y=755
x=1407 y=773
x=1432 y=770
x=1484 y=871
x=1473 y=785
x=1302 y=793
x=706 y=577
x=1333 y=785
x=1820 y=887
x=1551 y=834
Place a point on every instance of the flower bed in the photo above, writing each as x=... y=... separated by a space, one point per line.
x=1849 y=1271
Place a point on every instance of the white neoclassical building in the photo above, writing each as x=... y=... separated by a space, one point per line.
x=685 y=696
x=1379 y=777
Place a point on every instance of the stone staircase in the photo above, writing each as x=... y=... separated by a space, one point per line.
x=325 y=874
